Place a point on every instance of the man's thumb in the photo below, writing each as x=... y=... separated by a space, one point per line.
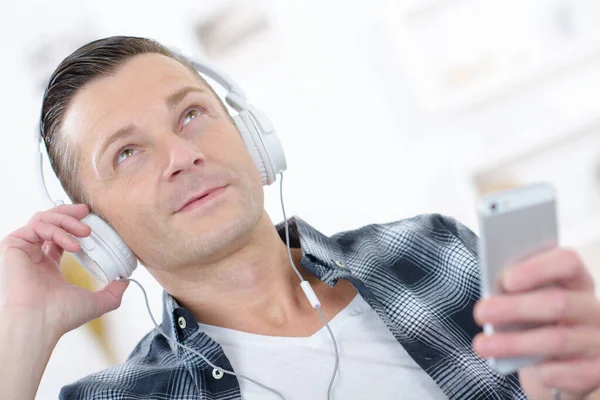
x=109 y=297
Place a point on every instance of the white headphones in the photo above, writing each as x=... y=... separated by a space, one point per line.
x=104 y=253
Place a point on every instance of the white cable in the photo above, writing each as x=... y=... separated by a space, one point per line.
x=337 y=355
x=262 y=385
x=287 y=231
x=287 y=242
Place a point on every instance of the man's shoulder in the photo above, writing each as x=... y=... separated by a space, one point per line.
x=434 y=229
x=421 y=255
x=147 y=369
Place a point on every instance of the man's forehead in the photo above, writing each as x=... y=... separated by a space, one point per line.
x=140 y=81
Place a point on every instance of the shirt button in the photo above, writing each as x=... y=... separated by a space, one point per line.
x=339 y=264
x=217 y=373
x=181 y=322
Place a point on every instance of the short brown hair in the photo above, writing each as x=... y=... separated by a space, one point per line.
x=90 y=62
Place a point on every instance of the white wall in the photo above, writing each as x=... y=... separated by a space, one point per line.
x=359 y=147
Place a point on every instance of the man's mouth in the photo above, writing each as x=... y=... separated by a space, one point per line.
x=201 y=199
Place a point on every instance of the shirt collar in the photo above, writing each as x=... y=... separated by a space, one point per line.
x=321 y=255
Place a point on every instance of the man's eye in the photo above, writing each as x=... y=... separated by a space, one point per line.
x=190 y=115
x=124 y=154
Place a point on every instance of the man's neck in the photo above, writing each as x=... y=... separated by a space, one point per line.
x=254 y=289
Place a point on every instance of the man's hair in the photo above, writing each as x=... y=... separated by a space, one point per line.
x=87 y=64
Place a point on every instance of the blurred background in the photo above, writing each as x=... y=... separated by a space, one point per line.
x=386 y=109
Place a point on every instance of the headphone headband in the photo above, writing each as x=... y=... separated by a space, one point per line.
x=236 y=97
x=219 y=77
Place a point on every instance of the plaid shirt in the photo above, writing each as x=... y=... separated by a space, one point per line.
x=421 y=275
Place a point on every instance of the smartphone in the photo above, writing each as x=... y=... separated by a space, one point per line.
x=513 y=224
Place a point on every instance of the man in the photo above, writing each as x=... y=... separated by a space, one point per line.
x=401 y=297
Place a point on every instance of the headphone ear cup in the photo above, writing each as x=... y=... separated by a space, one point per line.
x=253 y=144
x=262 y=142
x=104 y=253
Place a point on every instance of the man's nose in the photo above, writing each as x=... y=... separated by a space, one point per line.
x=181 y=155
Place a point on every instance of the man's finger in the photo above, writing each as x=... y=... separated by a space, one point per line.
x=64 y=221
x=38 y=233
x=74 y=210
x=558 y=266
x=541 y=306
x=578 y=376
x=547 y=342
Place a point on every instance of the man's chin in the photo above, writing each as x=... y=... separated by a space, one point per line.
x=218 y=241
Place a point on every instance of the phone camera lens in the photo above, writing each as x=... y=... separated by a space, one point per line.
x=493 y=206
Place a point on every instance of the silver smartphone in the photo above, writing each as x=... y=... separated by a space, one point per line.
x=513 y=225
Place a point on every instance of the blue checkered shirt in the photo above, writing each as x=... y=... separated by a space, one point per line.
x=420 y=275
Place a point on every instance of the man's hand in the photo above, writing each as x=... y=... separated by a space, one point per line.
x=554 y=290
x=37 y=305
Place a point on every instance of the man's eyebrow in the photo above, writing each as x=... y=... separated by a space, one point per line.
x=174 y=99
x=125 y=131
x=171 y=101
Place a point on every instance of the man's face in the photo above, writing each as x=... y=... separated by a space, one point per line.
x=150 y=138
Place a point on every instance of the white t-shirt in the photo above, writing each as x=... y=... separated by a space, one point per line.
x=373 y=365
